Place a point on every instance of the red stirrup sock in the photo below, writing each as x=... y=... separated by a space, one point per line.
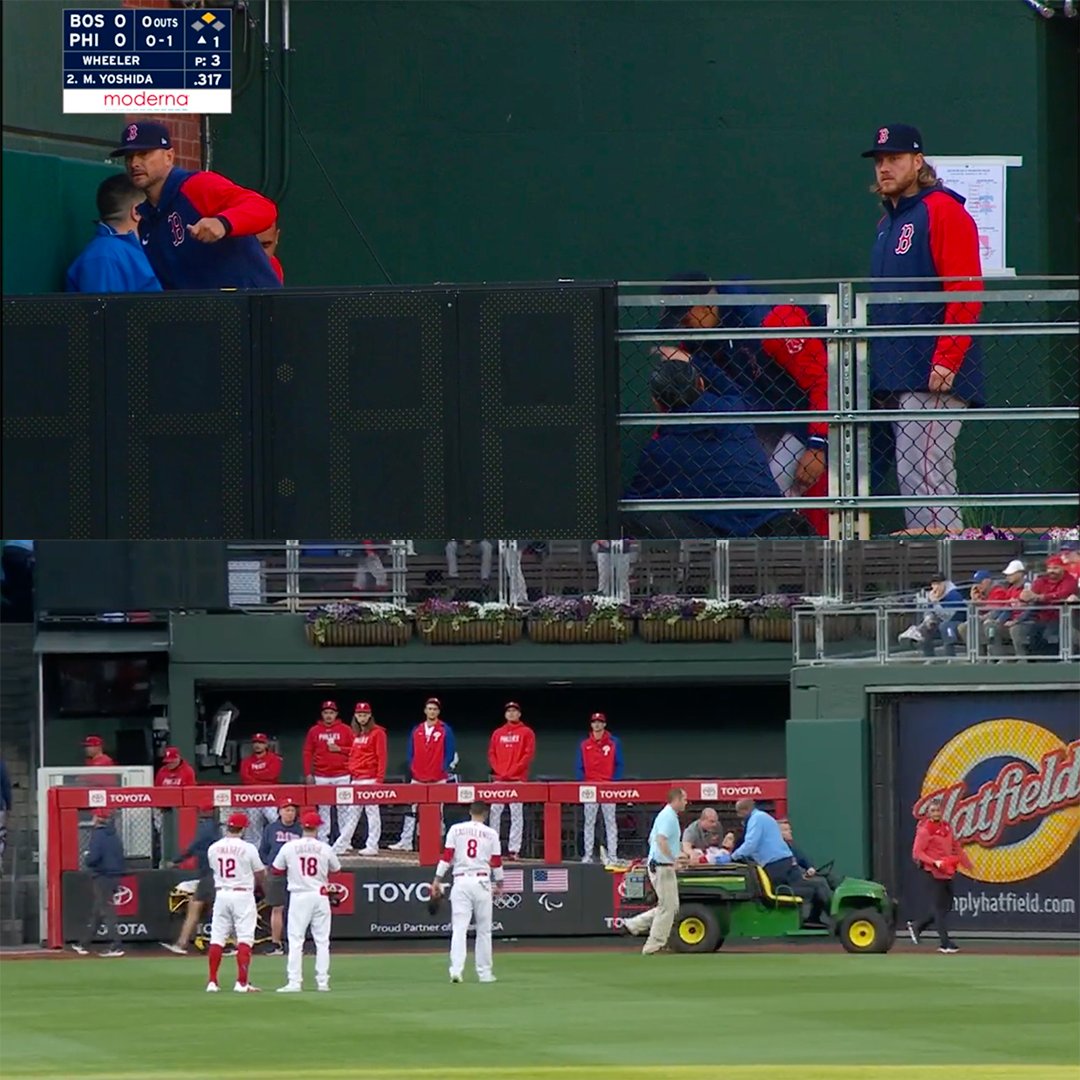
x=243 y=962
x=215 y=961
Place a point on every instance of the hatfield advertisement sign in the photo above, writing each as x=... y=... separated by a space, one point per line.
x=1008 y=769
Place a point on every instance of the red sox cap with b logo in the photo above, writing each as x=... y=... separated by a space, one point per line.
x=896 y=139
x=144 y=135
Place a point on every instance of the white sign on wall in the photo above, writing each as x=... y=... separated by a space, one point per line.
x=981 y=179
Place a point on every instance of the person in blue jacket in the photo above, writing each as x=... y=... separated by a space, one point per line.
x=925 y=232
x=106 y=863
x=705 y=461
x=114 y=261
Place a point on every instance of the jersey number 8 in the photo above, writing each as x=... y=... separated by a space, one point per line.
x=471 y=848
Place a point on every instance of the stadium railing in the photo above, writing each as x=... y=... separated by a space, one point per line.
x=1011 y=453
x=869 y=633
x=67 y=812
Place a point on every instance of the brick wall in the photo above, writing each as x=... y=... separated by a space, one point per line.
x=185 y=130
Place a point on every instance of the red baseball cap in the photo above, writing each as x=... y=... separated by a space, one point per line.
x=329 y=705
x=433 y=701
x=310 y=819
x=238 y=820
x=93 y=740
x=171 y=754
x=288 y=802
x=260 y=737
x=598 y=716
x=362 y=706
x=1055 y=560
x=512 y=705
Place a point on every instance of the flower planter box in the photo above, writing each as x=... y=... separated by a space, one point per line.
x=657 y=630
x=777 y=628
x=373 y=633
x=480 y=632
x=603 y=631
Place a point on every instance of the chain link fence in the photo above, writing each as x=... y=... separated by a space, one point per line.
x=754 y=412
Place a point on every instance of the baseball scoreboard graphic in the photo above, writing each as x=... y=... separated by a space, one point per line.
x=147 y=60
x=1007 y=767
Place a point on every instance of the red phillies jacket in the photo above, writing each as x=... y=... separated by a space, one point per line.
x=367 y=758
x=600 y=760
x=511 y=751
x=261 y=768
x=319 y=760
x=1050 y=591
x=182 y=776
x=430 y=755
x=102 y=761
x=935 y=842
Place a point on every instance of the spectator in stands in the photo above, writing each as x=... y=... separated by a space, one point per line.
x=613 y=567
x=114 y=261
x=925 y=233
x=95 y=755
x=106 y=863
x=486 y=548
x=5 y=805
x=511 y=750
x=174 y=771
x=1003 y=606
x=431 y=757
x=946 y=610
x=1036 y=627
x=206 y=833
x=261 y=766
x=599 y=761
x=772 y=375
x=701 y=834
x=367 y=767
x=268 y=239
x=274 y=838
x=370 y=566
x=198 y=229
x=705 y=461
x=982 y=586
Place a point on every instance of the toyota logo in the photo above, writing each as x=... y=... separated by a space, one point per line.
x=123 y=895
x=342 y=890
x=507 y=901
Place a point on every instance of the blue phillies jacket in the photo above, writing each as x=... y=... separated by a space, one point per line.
x=181 y=262
x=929 y=235
x=111 y=263
x=725 y=461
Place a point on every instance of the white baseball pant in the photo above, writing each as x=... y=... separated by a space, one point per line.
x=370 y=566
x=349 y=818
x=610 y=828
x=485 y=559
x=235 y=914
x=308 y=909
x=258 y=818
x=470 y=898
x=926 y=460
x=517 y=824
x=324 y=809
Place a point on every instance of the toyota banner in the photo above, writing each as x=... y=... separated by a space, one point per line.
x=1007 y=766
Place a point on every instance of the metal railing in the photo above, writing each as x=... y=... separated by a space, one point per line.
x=903 y=632
x=760 y=358
x=295 y=575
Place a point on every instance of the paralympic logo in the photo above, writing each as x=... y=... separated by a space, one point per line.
x=1011 y=791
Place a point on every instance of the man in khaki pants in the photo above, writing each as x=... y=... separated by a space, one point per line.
x=664 y=858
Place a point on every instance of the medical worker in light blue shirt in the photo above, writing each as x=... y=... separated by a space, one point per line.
x=664 y=855
x=763 y=843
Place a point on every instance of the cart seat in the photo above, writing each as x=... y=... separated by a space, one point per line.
x=774 y=897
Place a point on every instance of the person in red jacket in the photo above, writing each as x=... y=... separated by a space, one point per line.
x=431 y=756
x=938 y=854
x=510 y=755
x=599 y=762
x=367 y=767
x=326 y=757
x=174 y=771
x=262 y=766
x=269 y=238
x=1049 y=590
x=95 y=755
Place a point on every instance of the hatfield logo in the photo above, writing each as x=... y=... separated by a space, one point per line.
x=1002 y=779
x=126 y=896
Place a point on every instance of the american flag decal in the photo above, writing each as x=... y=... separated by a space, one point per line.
x=551 y=880
x=513 y=881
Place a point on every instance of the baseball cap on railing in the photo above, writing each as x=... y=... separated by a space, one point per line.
x=896 y=139
x=144 y=135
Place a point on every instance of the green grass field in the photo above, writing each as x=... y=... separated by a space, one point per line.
x=552 y=1016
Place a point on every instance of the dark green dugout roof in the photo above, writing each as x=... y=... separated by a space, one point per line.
x=103 y=641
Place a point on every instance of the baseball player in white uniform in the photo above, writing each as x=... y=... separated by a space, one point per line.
x=308 y=862
x=236 y=867
x=472 y=850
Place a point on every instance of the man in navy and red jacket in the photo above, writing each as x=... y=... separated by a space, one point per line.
x=198 y=229
x=599 y=761
x=431 y=756
x=925 y=233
